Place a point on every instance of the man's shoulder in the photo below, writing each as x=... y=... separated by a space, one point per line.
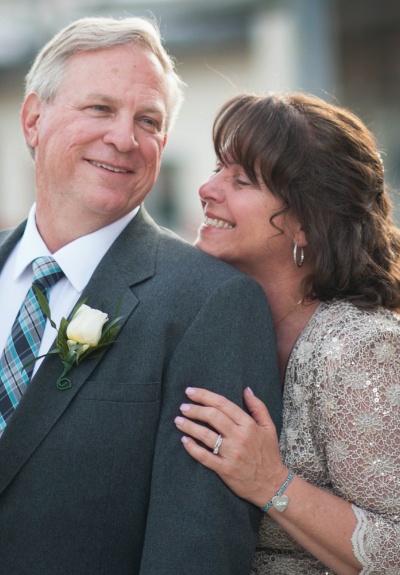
x=11 y=235
x=171 y=260
x=175 y=251
x=195 y=275
x=6 y=233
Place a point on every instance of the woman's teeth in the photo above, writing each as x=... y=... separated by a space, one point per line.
x=221 y=224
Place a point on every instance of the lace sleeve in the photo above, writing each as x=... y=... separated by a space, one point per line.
x=359 y=423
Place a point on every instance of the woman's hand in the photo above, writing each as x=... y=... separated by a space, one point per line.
x=248 y=459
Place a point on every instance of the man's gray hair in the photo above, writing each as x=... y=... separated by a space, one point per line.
x=96 y=33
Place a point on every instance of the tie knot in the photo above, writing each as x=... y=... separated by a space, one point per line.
x=46 y=271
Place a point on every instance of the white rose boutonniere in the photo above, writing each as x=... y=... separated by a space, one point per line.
x=83 y=336
x=85 y=328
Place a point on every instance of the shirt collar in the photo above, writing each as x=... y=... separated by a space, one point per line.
x=79 y=258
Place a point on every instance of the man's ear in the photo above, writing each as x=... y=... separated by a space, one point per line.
x=30 y=115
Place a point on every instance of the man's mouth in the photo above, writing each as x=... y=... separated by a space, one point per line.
x=220 y=224
x=108 y=167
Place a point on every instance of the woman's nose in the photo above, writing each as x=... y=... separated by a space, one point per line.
x=212 y=190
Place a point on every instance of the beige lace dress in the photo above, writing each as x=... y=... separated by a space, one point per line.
x=341 y=432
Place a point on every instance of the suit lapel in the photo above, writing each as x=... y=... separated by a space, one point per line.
x=130 y=260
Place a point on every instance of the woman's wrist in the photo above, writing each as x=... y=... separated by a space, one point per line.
x=268 y=487
x=280 y=501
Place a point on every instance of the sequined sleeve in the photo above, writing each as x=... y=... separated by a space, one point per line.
x=357 y=418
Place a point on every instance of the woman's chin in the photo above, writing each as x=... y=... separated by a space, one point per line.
x=204 y=246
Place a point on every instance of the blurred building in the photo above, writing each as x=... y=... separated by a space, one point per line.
x=342 y=50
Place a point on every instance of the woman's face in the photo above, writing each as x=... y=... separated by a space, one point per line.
x=237 y=227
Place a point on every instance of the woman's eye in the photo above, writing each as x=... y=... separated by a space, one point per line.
x=242 y=182
x=217 y=168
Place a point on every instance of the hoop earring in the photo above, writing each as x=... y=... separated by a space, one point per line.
x=298 y=262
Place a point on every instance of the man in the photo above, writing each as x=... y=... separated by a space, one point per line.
x=93 y=477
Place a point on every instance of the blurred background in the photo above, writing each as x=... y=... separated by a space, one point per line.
x=345 y=51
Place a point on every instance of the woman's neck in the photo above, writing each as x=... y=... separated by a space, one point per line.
x=289 y=329
x=290 y=313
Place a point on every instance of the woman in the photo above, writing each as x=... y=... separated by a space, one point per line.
x=298 y=202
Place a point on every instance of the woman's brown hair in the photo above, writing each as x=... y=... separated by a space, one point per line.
x=323 y=163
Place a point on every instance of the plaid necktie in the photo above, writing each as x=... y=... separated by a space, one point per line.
x=23 y=343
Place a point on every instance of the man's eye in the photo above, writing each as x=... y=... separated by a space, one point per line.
x=100 y=108
x=151 y=122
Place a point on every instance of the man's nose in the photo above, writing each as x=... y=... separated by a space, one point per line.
x=121 y=134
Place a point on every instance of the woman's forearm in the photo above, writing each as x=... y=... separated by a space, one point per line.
x=322 y=523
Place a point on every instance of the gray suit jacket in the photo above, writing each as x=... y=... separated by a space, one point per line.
x=94 y=479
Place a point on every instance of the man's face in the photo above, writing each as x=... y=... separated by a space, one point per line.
x=98 y=145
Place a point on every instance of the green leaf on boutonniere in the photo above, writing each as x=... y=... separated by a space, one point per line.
x=44 y=304
x=61 y=339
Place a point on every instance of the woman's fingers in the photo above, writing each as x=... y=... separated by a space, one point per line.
x=217 y=406
x=257 y=409
x=223 y=416
x=207 y=437
x=211 y=416
x=202 y=455
x=201 y=433
x=225 y=419
x=218 y=402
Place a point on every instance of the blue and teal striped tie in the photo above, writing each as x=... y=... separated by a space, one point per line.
x=23 y=343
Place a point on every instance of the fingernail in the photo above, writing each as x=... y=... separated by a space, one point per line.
x=251 y=392
x=190 y=390
x=179 y=420
x=184 y=407
x=184 y=439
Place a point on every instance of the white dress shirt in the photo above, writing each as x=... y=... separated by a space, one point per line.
x=78 y=260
